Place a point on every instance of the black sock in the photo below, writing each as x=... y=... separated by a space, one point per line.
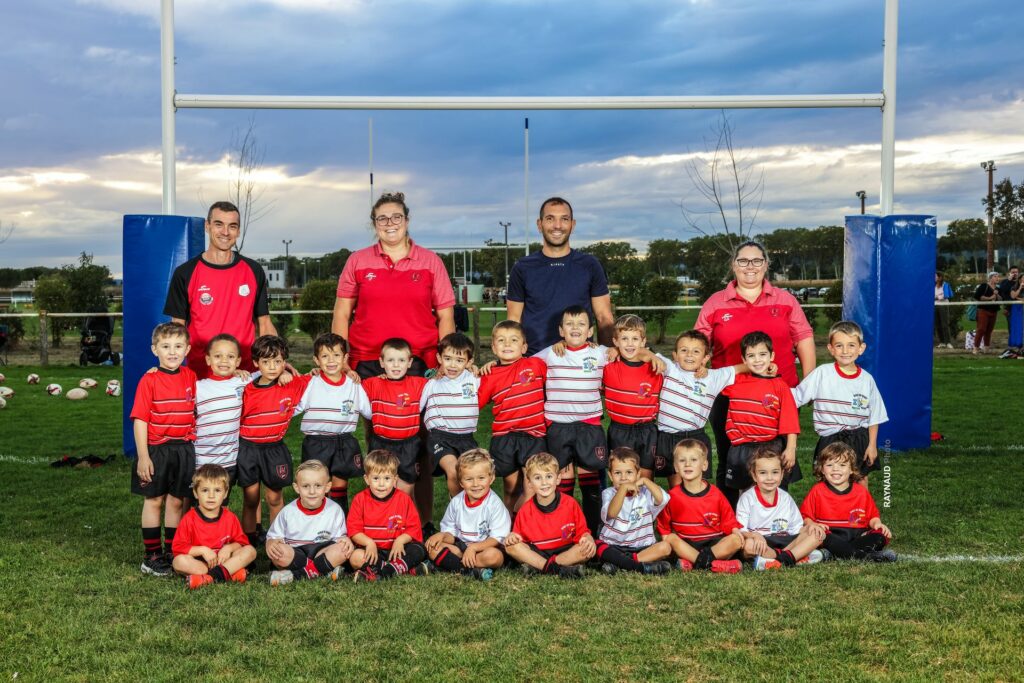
x=322 y=564
x=339 y=494
x=551 y=566
x=448 y=561
x=298 y=564
x=620 y=559
x=219 y=574
x=704 y=559
x=169 y=538
x=390 y=570
x=151 y=540
x=785 y=557
x=590 y=488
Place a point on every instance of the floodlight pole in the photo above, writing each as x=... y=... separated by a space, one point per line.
x=168 y=205
x=889 y=107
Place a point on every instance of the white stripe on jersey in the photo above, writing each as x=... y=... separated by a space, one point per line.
x=488 y=519
x=633 y=527
x=451 y=405
x=295 y=527
x=573 y=384
x=218 y=411
x=685 y=401
x=782 y=518
x=329 y=409
x=841 y=403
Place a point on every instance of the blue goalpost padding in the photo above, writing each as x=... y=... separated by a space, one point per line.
x=153 y=247
x=888 y=289
x=1016 y=326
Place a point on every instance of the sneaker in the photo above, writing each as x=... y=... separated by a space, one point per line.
x=197 y=581
x=576 y=571
x=813 y=557
x=527 y=570
x=365 y=574
x=684 y=565
x=155 y=565
x=280 y=577
x=881 y=556
x=726 y=566
x=761 y=564
x=826 y=555
x=336 y=573
x=609 y=568
x=240 y=576
x=485 y=574
x=423 y=568
x=656 y=568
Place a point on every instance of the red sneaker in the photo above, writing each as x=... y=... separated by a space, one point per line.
x=726 y=566
x=198 y=581
x=684 y=565
x=240 y=576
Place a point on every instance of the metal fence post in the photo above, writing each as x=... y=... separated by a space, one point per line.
x=475 y=313
x=44 y=339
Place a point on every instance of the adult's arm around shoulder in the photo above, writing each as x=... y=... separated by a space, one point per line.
x=602 y=306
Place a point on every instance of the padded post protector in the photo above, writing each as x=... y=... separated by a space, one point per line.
x=1016 y=326
x=153 y=246
x=888 y=289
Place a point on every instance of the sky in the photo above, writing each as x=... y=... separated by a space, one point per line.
x=80 y=114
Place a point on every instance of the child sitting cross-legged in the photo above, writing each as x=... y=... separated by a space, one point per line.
x=475 y=523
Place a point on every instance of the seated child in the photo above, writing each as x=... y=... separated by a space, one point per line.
x=847 y=405
x=475 y=523
x=164 y=425
x=698 y=521
x=330 y=411
x=761 y=411
x=395 y=404
x=308 y=539
x=549 y=534
x=516 y=385
x=383 y=519
x=841 y=512
x=209 y=545
x=451 y=408
x=267 y=408
x=769 y=519
x=628 y=511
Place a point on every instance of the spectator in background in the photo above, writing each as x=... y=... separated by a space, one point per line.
x=986 y=292
x=1010 y=289
x=943 y=293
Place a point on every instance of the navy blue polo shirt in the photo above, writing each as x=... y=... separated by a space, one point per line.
x=547 y=286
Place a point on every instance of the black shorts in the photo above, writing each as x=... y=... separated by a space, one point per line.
x=311 y=549
x=737 y=476
x=406 y=450
x=232 y=471
x=779 y=541
x=548 y=554
x=602 y=546
x=578 y=443
x=857 y=439
x=641 y=437
x=269 y=464
x=667 y=445
x=440 y=444
x=706 y=543
x=340 y=452
x=511 y=451
x=174 y=463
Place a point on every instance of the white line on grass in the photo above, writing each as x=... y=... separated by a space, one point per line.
x=982 y=448
x=991 y=559
x=23 y=460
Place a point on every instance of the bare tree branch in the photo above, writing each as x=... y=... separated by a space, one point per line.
x=246 y=156
x=5 y=233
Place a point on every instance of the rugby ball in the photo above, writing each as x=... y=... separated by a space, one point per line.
x=113 y=388
x=77 y=394
x=54 y=389
x=3 y=402
x=6 y=392
x=87 y=383
x=33 y=378
x=3 y=378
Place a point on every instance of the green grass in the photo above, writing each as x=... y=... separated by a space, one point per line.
x=76 y=607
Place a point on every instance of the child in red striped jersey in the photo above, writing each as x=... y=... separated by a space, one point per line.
x=698 y=521
x=549 y=534
x=840 y=511
x=164 y=425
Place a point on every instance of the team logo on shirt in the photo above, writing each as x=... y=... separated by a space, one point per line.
x=403 y=400
x=467 y=390
x=711 y=519
x=484 y=529
x=284 y=405
x=239 y=391
x=727 y=317
x=858 y=516
x=188 y=395
x=589 y=364
x=568 y=530
x=859 y=402
x=371 y=276
x=771 y=402
x=634 y=515
x=322 y=536
x=774 y=311
x=346 y=407
x=779 y=526
x=206 y=298
x=526 y=376
x=699 y=388
x=645 y=390
x=415 y=277
x=243 y=290
x=395 y=523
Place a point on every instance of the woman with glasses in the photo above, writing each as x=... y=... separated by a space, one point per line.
x=750 y=303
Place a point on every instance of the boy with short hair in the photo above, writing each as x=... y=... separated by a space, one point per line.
x=698 y=521
x=395 y=405
x=164 y=425
x=330 y=407
x=450 y=407
x=475 y=524
x=628 y=510
x=219 y=405
x=770 y=521
x=309 y=538
x=847 y=405
x=550 y=534
x=516 y=386
x=267 y=409
x=210 y=546
x=383 y=519
x=761 y=411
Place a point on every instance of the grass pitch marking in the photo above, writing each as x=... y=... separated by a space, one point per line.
x=989 y=559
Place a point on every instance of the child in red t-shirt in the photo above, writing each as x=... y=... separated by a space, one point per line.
x=210 y=545
x=550 y=534
x=840 y=511
x=383 y=519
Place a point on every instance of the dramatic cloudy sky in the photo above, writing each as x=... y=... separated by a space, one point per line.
x=80 y=119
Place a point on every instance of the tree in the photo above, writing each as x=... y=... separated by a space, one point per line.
x=333 y=263
x=612 y=255
x=53 y=294
x=87 y=281
x=661 y=291
x=964 y=241
x=1008 y=216
x=704 y=261
x=630 y=278
x=665 y=257
x=318 y=295
x=246 y=156
x=730 y=184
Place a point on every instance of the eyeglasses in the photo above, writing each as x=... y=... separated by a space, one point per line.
x=744 y=262
x=395 y=218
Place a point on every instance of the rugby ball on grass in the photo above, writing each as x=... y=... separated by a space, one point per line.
x=33 y=378
x=6 y=392
x=3 y=402
x=87 y=383
x=3 y=378
x=77 y=394
x=54 y=389
x=113 y=388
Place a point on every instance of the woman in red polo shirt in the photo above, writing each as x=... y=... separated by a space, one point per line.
x=747 y=304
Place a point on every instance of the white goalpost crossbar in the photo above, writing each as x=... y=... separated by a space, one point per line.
x=171 y=100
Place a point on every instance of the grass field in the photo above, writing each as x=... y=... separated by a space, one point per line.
x=77 y=608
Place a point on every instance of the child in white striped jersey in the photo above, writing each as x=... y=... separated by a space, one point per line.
x=628 y=510
x=219 y=406
x=330 y=409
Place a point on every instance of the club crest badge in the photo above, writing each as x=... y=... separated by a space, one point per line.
x=206 y=298
x=467 y=390
x=859 y=402
x=283 y=471
x=346 y=407
x=284 y=406
x=243 y=290
x=711 y=519
x=771 y=402
x=645 y=390
x=589 y=364
x=568 y=530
